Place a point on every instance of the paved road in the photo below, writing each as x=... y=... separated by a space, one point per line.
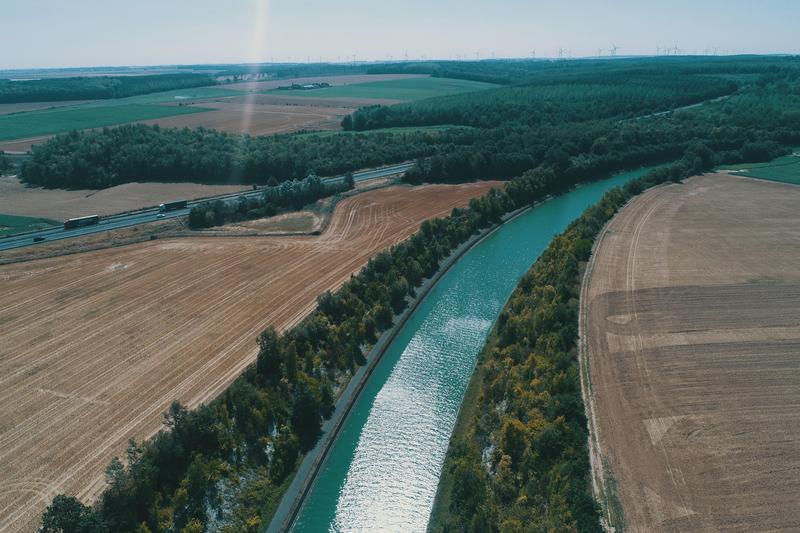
x=151 y=215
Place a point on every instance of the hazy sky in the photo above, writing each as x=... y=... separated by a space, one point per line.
x=62 y=33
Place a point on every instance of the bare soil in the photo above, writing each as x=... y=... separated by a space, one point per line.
x=94 y=346
x=693 y=306
x=59 y=204
x=22 y=145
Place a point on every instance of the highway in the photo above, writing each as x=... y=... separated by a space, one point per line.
x=151 y=215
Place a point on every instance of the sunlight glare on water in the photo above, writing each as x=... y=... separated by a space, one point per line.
x=407 y=431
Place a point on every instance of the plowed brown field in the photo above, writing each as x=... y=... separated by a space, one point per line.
x=94 y=346
x=693 y=323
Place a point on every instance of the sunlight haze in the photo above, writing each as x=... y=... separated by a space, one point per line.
x=112 y=33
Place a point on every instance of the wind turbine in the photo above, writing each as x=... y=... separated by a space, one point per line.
x=676 y=49
x=613 y=50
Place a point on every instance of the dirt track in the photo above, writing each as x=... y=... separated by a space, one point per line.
x=94 y=346
x=694 y=350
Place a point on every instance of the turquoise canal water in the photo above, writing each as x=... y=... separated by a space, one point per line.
x=383 y=470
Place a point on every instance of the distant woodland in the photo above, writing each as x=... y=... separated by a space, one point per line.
x=95 y=87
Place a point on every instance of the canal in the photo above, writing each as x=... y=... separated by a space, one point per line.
x=383 y=470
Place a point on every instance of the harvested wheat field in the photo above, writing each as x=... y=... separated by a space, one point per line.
x=17 y=199
x=94 y=346
x=692 y=311
x=259 y=115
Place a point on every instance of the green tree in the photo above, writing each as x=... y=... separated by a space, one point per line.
x=67 y=515
x=268 y=362
x=305 y=415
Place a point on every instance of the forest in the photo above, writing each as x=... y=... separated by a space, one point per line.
x=525 y=71
x=113 y=156
x=95 y=87
x=277 y=198
x=225 y=465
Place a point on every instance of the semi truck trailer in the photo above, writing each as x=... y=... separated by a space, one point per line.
x=172 y=206
x=79 y=222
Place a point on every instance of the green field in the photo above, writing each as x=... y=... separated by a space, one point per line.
x=33 y=124
x=784 y=169
x=104 y=113
x=11 y=224
x=404 y=89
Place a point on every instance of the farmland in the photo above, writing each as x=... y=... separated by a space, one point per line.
x=259 y=115
x=400 y=89
x=50 y=121
x=109 y=338
x=234 y=108
x=784 y=169
x=693 y=322
x=99 y=113
x=332 y=80
x=16 y=224
x=17 y=199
